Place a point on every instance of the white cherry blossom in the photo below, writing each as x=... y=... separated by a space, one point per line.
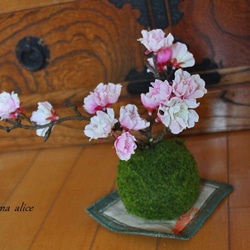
x=101 y=124
x=44 y=115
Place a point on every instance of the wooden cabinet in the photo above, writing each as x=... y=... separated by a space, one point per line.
x=89 y=42
x=94 y=41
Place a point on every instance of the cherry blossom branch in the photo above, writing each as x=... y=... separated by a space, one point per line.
x=172 y=96
x=156 y=71
x=17 y=124
x=168 y=76
x=160 y=136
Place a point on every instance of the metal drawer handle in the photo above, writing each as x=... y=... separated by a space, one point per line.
x=31 y=54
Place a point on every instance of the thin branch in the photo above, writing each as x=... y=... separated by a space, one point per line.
x=160 y=136
x=15 y=124
x=156 y=71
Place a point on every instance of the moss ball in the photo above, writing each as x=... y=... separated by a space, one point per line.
x=160 y=183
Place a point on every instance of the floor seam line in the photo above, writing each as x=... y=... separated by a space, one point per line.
x=22 y=177
x=54 y=201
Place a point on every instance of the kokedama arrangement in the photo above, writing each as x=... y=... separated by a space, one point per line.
x=157 y=178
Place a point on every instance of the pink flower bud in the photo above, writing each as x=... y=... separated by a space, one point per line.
x=163 y=58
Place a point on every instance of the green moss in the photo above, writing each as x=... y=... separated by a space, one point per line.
x=159 y=183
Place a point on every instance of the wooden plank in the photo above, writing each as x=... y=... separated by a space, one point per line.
x=8 y=6
x=210 y=152
x=224 y=108
x=86 y=42
x=239 y=144
x=239 y=228
x=233 y=75
x=61 y=193
x=38 y=188
x=13 y=168
x=217 y=30
x=92 y=177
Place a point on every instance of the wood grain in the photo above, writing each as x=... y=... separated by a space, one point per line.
x=239 y=145
x=62 y=183
x=239 y=228
x=217 y=30
x=9 y=6
x=12 y=172
x=216 y=147
x=87 y=47
x=224 y=108
x=86 y=42
x=38 y=188
x=122 y=241
x=91 y=178
x=234 y=75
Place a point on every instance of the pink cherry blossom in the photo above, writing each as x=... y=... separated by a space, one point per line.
x=101 y=124
x=177 y=117
x=9 y=105
x=160 y=92
x=125 y=146
x=153 y=40
x=130 y=119
x=150 y=101
x=102 y=97
x=162 y=89
x=44 y=115
x=163 y=54
x=181 y=57
x=188 y=86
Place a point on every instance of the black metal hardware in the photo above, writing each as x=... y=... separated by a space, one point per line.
x=31 y=54
x=140 y=5
x=154 y=12
x=176 y=14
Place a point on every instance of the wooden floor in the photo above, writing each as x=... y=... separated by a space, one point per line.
x=62 y=183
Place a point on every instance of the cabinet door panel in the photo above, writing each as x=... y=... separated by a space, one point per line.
x=89 y=42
